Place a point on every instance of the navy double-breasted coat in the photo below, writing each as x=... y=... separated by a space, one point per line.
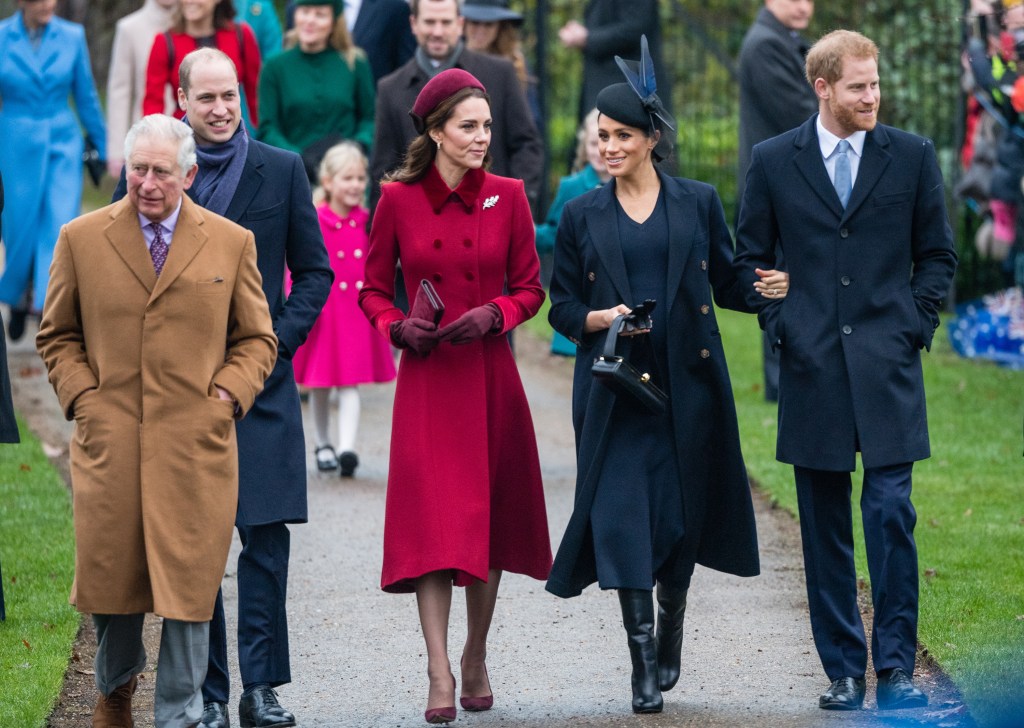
x=590 y=274
x=866 y=284
x=273 y=201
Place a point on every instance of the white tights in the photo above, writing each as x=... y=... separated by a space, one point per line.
x=348 y=416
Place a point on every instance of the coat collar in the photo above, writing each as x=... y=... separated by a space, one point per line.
x=35 y=62
x=125 y=235
x=603 y=228
x=438 y=192
x=873 y=162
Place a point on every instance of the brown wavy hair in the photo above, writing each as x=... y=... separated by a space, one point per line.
x=422 y=150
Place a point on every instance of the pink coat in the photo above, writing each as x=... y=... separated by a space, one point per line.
x=464 y=487
x=342 y=349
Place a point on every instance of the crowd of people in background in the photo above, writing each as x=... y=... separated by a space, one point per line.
x=419 y=126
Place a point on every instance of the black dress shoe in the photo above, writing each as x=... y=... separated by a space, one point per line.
x=896 y=690
x=349 y=461
x=215 y=715
x=846 y=693
x=259 y=708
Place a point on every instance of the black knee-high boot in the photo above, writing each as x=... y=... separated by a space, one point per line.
x=638 y=619
x=671 y=609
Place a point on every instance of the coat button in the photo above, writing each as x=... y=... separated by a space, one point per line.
x=359 y=285
x=844 y=233
x=468 y=243
x=351 y=223
x=845 y=280
x=847 y=329
x=437 y=277
x=704 y=309
x=437 y=243
x=337 y=226
x=591 y=277
x=341 y=253
x=469 y=276
x=703 y=265
x=343 y=285
x=358 y=253
x=704 y=353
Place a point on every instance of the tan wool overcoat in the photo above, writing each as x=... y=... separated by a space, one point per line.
x=136 y=360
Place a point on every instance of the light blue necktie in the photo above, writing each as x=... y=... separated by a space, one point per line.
x=843 y=181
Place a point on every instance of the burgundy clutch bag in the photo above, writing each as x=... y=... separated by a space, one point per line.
x=427 y=305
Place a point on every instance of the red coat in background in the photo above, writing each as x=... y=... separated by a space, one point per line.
x=464 y=486
x=236 y=40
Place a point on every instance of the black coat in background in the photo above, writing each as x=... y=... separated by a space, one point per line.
x=614 y=28
x=866 y=286
x=8 y=424
x=590 y=274
x=382 y=30
x=774 y=93
x=273 y=201
x=516 y=147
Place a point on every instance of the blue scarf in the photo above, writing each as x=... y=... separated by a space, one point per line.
x=220 y=169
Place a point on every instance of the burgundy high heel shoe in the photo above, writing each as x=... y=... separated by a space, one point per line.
x=476 y=705
x=441 y=715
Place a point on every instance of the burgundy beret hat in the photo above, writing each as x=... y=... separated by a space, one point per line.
x=437 y=89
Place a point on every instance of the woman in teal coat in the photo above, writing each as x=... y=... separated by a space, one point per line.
x=589 y=173
x=43 y=61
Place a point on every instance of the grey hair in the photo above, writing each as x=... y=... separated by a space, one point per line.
x=168 y=128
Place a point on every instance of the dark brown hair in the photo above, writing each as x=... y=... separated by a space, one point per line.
x=422 y=150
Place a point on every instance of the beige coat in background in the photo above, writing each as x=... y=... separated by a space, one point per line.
x=135 y=360
x=126 y=78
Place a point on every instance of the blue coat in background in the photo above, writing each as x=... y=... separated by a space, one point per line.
x=41 y=145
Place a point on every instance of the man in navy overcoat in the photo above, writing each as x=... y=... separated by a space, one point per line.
x=264 y=190
x=869 y=267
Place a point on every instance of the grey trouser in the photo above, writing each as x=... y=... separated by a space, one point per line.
x=180 y=667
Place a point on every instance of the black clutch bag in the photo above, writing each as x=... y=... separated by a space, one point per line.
x=427 y=304
x=93 y=164
x=615 y=372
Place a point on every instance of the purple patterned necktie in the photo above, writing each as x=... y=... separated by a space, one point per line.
x=159 y=248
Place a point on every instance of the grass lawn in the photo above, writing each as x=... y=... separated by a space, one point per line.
x=970 y=504
x=37 y=556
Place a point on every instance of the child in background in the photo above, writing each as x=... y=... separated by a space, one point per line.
x=343 y=350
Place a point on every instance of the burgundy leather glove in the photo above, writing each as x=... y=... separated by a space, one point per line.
x=417 y=334
x=472 y=325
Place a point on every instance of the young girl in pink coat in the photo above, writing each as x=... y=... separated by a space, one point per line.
x=343 y=350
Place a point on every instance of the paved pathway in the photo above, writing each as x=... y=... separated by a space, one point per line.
x=358 y=656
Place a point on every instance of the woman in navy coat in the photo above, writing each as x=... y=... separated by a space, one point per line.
x=656 y=493
x=44 y=61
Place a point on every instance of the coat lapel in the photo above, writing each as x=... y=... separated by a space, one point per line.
x=125 y=235
x=188 y=240
x=604 y=231
x=875 y=159
x=808 y=160
x=249 y=185
x=681 y=210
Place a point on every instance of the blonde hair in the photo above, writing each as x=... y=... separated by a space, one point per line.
x=581 y=160
x=825 y=59
x=337 y=158
x=339 y=39
x=506 y=44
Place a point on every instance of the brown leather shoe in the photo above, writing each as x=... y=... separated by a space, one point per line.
x=115 y=710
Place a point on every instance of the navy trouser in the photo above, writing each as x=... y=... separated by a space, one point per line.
x=262 y=620
x=827 y=530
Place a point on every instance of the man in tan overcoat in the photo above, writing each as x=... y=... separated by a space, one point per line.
x=154 y=354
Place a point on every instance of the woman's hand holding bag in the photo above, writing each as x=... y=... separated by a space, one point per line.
x=417 y=334
x=472 y=325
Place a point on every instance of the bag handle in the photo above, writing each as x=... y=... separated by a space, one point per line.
x=612 y=339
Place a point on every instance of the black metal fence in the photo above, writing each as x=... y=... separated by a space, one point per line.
x=919 y=41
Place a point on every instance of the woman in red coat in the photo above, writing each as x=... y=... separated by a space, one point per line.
x=465 y=500
x=202 y=24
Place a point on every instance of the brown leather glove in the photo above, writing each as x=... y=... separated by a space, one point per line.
x=417 y=334
x=472 y=325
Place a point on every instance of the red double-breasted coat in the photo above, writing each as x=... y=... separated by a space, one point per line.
x=464 y=486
